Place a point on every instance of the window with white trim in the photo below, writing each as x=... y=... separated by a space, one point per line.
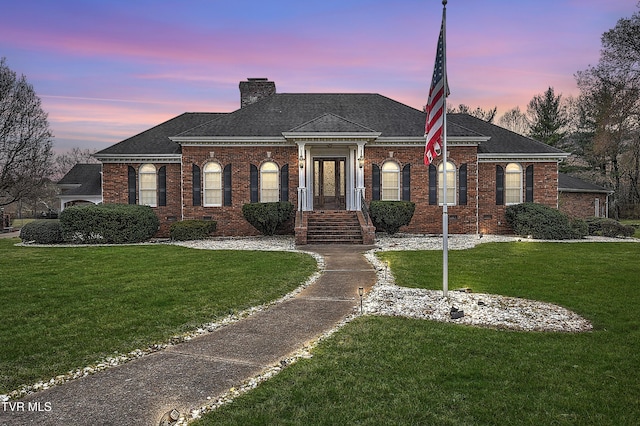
x=148 y=185
x=513 y=184
x=212 y=185
x=269 y=183
x=390 y=181
x=451 y=184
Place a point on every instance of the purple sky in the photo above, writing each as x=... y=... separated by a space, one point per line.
x=106 y=70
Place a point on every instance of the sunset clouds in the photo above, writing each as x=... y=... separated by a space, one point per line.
x=108 y=70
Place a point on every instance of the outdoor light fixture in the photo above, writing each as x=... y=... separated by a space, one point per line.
x=360 y=293
x=301 y=161
x=170 y=418
x=361 y=161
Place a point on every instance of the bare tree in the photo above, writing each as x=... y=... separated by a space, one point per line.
x=25 y=138
x=480 y=113
x=65 y=162
x=515 y=120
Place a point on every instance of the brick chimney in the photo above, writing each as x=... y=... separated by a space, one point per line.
x=254 y=89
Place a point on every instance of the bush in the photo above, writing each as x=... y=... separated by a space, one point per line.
x=542 y=222
x=192 y=229
x=108 y=224
x=267 y=217
x=389 y=216
x=605 y=227
x=42 y=232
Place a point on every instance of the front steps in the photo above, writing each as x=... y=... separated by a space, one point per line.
x=333 y=227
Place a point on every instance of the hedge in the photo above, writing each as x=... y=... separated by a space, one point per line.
x=108 y=224
x=42 y=232
x=542 y=222
x=186 y=230
x=389 y=216
x=267 y=217
x=605 y=227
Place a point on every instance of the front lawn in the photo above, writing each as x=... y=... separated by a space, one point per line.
x=379 y=370
x=64 y=308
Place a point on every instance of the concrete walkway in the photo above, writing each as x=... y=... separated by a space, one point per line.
x=140 y=392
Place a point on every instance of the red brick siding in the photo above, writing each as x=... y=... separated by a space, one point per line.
x=582 y=204
x=230 y=219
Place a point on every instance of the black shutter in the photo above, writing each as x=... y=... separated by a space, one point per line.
x=433 y=185
x=499 y=185
x=227 y=184
x=162 y=186
x=529 y=185
x=253 y=183
x=462 y=178
x=406 y=183
x=132 y=185
x=375 y=182
x=196 y=177
x=284 y=183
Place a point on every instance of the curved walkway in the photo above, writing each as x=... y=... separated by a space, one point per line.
x=188 y=375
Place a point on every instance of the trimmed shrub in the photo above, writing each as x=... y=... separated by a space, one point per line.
x=605 y=227
x=108 y=224
x=42 y=232
x=267 y=217
x=542 y=222
x=389 y=216
x=186 y=230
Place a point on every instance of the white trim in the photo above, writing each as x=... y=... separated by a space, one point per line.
x=514 y=158
x=135 y=158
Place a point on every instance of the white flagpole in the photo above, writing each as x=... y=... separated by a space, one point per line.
x=445 y=211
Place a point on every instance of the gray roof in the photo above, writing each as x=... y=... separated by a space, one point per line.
x=82 y=179
x=502 y=141
x=321 y=112
x=568 y=183
x=156 y=139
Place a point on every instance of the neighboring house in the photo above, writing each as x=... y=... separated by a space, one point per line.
x=326 y=152
x=582 y=199
x=81 y=185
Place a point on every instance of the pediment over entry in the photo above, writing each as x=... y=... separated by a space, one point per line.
x=328 y=126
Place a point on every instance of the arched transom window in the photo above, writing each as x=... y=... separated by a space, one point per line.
x=390 y=181
x=148 y=185
x=451 y=184
x=513 y=184
x=212 y=185
x=269 y=187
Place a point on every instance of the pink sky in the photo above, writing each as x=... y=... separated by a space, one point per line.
x=108 y=70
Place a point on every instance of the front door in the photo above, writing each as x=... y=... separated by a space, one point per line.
x=329 y=183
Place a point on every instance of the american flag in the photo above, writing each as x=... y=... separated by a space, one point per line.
x=436 y=104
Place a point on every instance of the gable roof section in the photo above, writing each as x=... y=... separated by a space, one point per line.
x=155 y=141
x=330 y=123
x=568 y=183
x=82 y=179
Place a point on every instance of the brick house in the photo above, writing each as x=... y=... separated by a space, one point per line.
x=582 y=199
x=326 y=152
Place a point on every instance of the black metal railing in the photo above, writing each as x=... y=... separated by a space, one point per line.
x=364 y=207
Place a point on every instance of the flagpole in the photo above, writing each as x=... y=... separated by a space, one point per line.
x=445 y=210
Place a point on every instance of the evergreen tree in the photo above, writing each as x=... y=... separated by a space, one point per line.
x=547 y=117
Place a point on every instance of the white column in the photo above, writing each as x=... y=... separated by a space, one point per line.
x=303 y=165
x=359 y=174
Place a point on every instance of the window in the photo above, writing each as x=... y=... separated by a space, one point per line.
x=212 y=185
x=269 y=187
x=451 y=184
x=513 y=184
x=148 y=185
x=390 y=181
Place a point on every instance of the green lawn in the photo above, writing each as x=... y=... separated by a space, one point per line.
x=379 y=371
x=64 y=308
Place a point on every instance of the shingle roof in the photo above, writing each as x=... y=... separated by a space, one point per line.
x=284 y=112
x=568 y=183
x=156 y=139
x=321 y=112
x=502 y=141
x=82 y=179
